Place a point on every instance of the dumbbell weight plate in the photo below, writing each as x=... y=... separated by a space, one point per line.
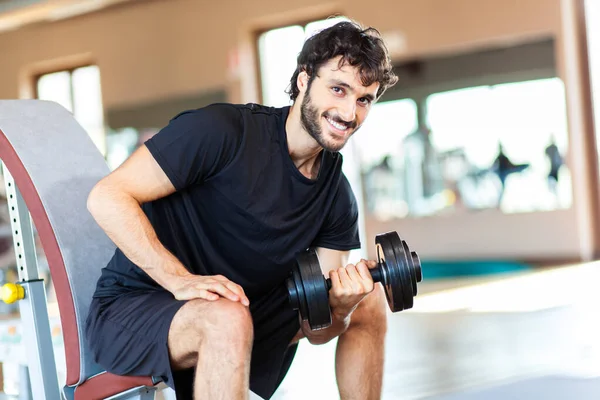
x=315 y=290
x=404 y=269
x=414 y=266
x=296 y=293
x=392 y=281
x=417 y=263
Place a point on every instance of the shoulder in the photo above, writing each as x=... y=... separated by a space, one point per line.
x=332 y=163
x=222 y=115
x=345 y=185
x=234 y=117
x=262 y=117
x=345 y=194
x=344 y=199
x=259 y=109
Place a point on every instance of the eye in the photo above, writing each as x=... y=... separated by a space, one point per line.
x=364 y=101
x=337 y=90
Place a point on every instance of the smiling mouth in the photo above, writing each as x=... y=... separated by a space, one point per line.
x=339 y=129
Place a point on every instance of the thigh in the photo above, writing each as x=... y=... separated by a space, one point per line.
x=183 y=353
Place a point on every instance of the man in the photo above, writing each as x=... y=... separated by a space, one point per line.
x=503 y=167
x=208 y=218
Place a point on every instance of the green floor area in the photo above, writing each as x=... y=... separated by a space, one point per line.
x=433 y=269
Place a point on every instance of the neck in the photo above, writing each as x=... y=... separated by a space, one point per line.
x=304 y=150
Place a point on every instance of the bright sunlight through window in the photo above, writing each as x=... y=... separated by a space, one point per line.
x=78 y=90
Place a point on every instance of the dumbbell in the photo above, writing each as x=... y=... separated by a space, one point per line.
x=398 y=269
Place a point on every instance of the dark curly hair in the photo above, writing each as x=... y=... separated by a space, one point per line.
x=362 y=48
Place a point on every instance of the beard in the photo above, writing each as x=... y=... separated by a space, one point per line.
x=311 y=122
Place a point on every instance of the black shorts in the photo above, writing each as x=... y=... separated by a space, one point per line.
x=128 y=335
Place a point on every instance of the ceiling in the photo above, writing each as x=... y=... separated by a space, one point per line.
x=18 y=13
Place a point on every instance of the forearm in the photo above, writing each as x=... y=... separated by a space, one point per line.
x=125 y=223
x=339 y=325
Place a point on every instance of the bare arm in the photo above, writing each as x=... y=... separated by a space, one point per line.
x=350 y=283
x=115 y=203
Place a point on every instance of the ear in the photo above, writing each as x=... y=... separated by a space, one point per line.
x=302 y=81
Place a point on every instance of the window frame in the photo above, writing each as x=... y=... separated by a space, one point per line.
x=303 y=22
x=38 y=75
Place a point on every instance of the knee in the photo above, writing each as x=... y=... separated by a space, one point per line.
x=371 y=313
x=223 y=321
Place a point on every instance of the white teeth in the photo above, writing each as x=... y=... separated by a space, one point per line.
x=341 y=127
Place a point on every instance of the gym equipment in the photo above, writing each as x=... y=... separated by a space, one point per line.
x=398 y=269
x=50 y=164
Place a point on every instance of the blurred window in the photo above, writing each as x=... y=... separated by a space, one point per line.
x=380 y=147
x=512 y=140
x=79 y=91
x=278 y=51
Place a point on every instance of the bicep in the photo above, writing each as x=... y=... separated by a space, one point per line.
x=330 y=259
x=140 y=177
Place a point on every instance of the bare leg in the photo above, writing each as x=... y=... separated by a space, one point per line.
x=216 y=338
x=360 y=350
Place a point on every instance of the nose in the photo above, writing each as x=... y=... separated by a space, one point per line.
x=348 y=110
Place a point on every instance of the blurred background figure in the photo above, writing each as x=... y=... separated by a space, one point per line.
x=381 y=186
x=555 y=160
x=503 y=167
x=422 y=176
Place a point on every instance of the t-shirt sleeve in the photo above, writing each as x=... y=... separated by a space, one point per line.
x=197 y=144
x=340 y=230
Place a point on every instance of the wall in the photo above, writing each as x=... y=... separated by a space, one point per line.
x=161 y=51
x=151 y=50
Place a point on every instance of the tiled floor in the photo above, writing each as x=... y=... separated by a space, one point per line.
x=475 y=333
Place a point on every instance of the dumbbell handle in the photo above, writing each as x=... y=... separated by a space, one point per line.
x=376 y=274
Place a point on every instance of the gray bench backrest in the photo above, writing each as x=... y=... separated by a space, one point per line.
x=55 y=164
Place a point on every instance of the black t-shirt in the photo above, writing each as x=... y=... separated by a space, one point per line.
x=242 y=209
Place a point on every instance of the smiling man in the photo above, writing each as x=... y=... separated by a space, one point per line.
x=208 y=217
